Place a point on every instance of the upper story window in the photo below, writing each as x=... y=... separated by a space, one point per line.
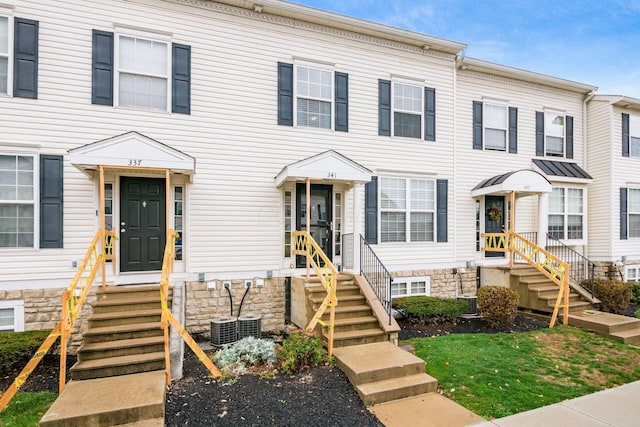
x=17 y=201
x=554 y=133
x=406 y=110
x=634 y=136
x=143 y=73
x=566 y=213
x=4 y=54
x=314 y=97
x=495 y=126
x=407 y=208
x=18 y=56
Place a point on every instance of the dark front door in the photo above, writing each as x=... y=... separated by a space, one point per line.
x=320 y=216
x=494 y=219
x=142 y=223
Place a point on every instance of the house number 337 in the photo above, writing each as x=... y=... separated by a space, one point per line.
x=135 y=162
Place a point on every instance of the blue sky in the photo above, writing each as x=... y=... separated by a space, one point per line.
x=596 y=42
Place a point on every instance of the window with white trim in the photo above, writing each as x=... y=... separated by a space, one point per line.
x=634 y=135
x=632 y=273
x=4 y=54
x=12 y=316
x=108 y=217
x=287 y=224
x=178 y=220
x=337 y=223
x=495 y=126
x=633 y=204
x=314 y=97
x=143 y=72
x=407 y=208
x=554 y=133
x=17 y=201
x=566 y=213
x=408 y=108
x=410 y=286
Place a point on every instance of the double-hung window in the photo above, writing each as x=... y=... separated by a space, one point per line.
x=634 y=212
x=314 y=97
x=566 y=213
x=4 y=54
x=143 y=73
x=407 y=209
x=410 y=286
x=634 y=136
x=407 y=110
x=495 y=126
x=554 y=133
x=17 y=201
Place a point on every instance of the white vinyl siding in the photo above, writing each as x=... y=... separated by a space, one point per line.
x=566 y=213
x=634 y=212
x=634 y=136
x=554 y=133
x=410 y=286
x=143 y=73
x=4 y=54
x=495 y=126
x=407 y=210
x=17 y=201
x=12 y=316
x=407 y=110
x=314 y=97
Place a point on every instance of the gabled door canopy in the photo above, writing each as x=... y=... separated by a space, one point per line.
x=327 y=166
x=131 y=149
x=524 y=182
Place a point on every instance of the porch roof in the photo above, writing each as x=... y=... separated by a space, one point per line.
x=131 y=149
x=327 y=166
x=562 y=170
x=524 y=182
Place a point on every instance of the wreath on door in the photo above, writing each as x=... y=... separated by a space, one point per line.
x=495 y=214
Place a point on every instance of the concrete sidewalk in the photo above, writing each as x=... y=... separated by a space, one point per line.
x=619 y=407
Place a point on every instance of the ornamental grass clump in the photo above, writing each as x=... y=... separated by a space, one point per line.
x=301 y=350
x=247 y=352
x=498 y=305
x=430 y=310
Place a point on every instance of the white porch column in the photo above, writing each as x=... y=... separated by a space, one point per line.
x=357 y=224
x=543 y=218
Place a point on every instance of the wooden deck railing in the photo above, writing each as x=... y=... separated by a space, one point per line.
x=305 y=245
x=554 y=268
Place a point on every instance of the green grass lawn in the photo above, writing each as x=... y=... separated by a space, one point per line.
x=26 y=409
x=496 y=375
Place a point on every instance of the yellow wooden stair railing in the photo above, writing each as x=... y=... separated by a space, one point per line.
x=169 y=319
x=554 y=268
x=304 y=244
x=73 y=298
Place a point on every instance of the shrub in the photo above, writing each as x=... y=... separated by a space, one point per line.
x=423 y=309
x=299 y=351
x=247 y=352
x=637 y=314
x=614 y=296
x=16 y=348
x=498 y=305
x=635 y=293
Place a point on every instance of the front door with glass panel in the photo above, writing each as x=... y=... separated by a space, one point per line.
x=142 y=223
x=494 y=219
x=321 y=218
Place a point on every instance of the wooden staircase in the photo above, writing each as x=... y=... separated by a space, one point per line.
x=539 y=293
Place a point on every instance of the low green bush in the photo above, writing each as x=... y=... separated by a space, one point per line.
x=299 y=351
x=16 y=348
x=498 y=305
x=431 y=310
x=249 y=351
x=637 y=314
x=635 y=293
x=614 y=297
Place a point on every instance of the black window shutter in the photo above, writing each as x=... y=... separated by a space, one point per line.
x=539 y=133
x=285 y=94
x=513 y=130
x=442 y=187
x=181 y=78
x=623 y=213
x=477 y=125
x=102 y=68
x=429 y=114
x=625 y=135
x=342 y=102
x=569 y=132
x=384 y=107
x=50 y=201
x=371 y=211
x=25 y=62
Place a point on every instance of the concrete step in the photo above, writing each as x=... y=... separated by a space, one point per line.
x=357 y=337
x=396 y=388
x=130 y=304
x=122 y=332
x=100 y=320
x=603 y=323
x=535 y=279
x=343 y=300
x=631 y=337
x=341 y=291
x=355 y=323
x=344 y=312
x=119 y=365
x=136 y=400
x=126 y=292
x=579 y=306
x=101 y=350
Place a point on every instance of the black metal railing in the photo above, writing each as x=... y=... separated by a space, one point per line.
x=582 y=268
x=379 y=278
x=347 y=251
x=531 y=236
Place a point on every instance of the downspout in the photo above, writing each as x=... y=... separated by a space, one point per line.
x=457 y=62
x=585 y=145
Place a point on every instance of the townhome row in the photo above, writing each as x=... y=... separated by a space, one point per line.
x=405 y=141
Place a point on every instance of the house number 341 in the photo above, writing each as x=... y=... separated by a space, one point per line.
x=331 y=174
x=135 y=162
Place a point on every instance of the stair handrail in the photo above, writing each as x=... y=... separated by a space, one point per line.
x=378 y=277
x=73 y=299
x=578 y=275
x=552 y=267
x=304 y=244
x=167 y=317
